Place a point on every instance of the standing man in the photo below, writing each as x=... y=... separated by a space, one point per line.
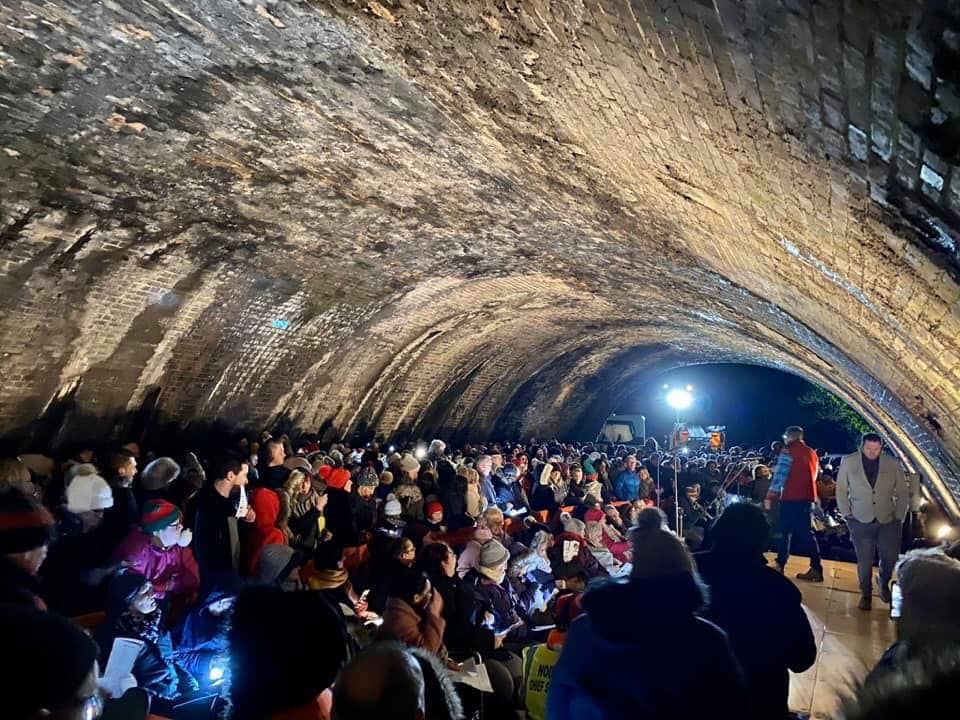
x=795 y=484
x=873 y=496
x=217 y=509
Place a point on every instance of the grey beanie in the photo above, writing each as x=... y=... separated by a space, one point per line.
x=159 y=474
x=493 y=554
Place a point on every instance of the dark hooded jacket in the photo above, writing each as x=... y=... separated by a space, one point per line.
x=17 y=587
x=678 y=665
x=768 y=642
x=202 y=636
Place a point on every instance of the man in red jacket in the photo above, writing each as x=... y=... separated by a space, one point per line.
x=795 y=483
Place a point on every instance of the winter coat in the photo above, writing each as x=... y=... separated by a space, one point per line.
x=626 y=485
x=266 y=504
x=507 y=492
x=200 y=636
x=153 y=668
x=464 y=631
x=678 y=665
x=171 y=570
x=366 y=514
x=343 y=517
x=768 y=643
x=586 y=558
x=119 y=519
x=302 y=522
x=543 y=498
x=17 y=587
x=411 y=500
x=215 y=534
x=73 y=573
x=472 y=501
x=500 y=600
x=403 y=623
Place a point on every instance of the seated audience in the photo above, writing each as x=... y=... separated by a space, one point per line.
x=159 y=549
x=924 y=685
x=388 y=680
x=79 y=559
x=26 y=530
x=133 y=612
x=55 y=673
x=929 y=587
x=285 y=651
x=200 y=638
x=414 y=613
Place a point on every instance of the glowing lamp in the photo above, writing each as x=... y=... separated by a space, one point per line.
x=420 y=453
x=943 y=532
x=679 y=399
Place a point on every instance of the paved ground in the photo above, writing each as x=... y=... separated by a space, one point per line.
x=850 y=640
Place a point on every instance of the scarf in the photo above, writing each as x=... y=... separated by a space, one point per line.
x=328 y=579
x=142 y=627
x=492 y=573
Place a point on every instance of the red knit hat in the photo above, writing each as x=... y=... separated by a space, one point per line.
x=433 y=507
x=25 y=524
x=158 y=514
x=324 y=471
x=338 y=479
x=594 y=515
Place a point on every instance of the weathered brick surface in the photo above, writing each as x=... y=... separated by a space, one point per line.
x=470 y=216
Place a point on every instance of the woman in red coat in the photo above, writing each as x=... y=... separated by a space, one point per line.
x=265 y=531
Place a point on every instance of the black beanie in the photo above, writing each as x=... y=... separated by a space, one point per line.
x=53 y=656
x=25 y=524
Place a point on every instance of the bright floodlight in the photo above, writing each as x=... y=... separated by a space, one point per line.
x=944 y=532
x=420 y=453
x=679 y=399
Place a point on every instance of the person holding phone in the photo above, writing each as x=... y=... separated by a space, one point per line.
x=414 y=614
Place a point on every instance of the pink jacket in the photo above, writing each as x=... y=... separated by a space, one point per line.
x=172 y=570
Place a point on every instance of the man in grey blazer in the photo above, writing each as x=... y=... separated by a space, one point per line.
x=873 y=497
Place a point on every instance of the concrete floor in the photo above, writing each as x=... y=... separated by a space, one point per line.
x=850 y=640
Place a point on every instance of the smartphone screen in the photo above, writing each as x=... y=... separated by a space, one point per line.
x=896 y=601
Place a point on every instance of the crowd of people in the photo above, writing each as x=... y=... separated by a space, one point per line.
x=282 y=579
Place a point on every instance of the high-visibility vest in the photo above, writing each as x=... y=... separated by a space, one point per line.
x=538 y=662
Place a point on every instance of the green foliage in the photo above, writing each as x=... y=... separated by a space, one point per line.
x=826 y=406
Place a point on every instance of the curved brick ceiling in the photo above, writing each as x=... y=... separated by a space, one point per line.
x=474 y=217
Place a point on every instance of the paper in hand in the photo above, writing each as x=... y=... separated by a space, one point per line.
x=242 y=507
x=123 y=655
x=473 y=675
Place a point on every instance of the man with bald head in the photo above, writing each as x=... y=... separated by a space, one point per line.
x=389 y=680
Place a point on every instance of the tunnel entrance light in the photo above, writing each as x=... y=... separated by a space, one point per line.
x=679 y=399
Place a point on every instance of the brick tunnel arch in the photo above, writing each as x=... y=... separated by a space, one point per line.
x=469 y=217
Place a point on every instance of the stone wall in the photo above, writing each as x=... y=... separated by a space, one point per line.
x=468 y=216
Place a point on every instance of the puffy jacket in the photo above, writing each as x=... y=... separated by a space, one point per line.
x=402 y=622
x=626 y=486
x=171 y=570
x=678 y=665
x=266 y=504
x=499 y=600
